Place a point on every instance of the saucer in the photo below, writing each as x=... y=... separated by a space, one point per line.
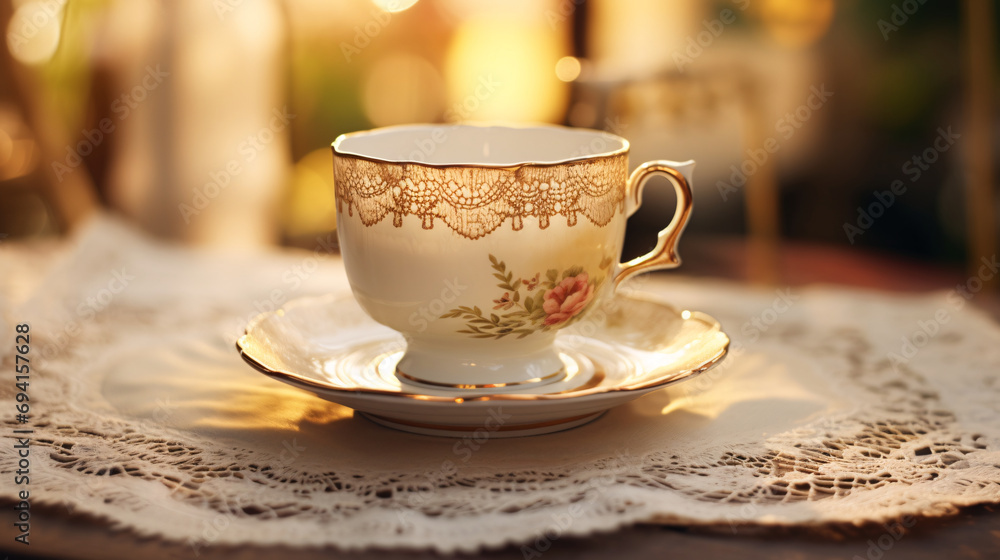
x=628 y=347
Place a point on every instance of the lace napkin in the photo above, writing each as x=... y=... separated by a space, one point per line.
x=834 y=406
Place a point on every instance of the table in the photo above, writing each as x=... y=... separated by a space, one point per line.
x=973 y=533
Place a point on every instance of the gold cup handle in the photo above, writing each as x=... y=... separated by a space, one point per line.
x=664 y=255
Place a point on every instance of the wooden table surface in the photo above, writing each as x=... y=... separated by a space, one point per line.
x=973 y=533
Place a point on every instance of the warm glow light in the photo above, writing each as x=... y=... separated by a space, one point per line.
x=34 y=31
x=321 y=18
x=797 y=23
x=511 y=9
x=309 y=208
x=568 y=68
x=18 y=151
x=774 y=393
x=501 y=69
x=6 y=149
x=394 y=5
x=207 y=390
x=402 y=88
x=22 y=160
x=644 y=36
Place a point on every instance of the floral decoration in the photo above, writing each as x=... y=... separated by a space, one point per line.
x=533 y=304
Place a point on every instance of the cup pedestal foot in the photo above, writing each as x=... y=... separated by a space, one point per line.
x=464 y=370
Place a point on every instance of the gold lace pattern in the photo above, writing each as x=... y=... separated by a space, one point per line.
x=474 y=201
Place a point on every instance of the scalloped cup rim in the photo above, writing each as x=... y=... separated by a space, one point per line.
x=342 y=151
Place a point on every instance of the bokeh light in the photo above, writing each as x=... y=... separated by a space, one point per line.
x=568 y=68
x=394 y=6
x=501 y=69
x=309 y=207
x=34 y=30
x=18 y=150
x=6 y=149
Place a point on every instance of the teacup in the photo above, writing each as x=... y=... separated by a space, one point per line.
x=479 y=243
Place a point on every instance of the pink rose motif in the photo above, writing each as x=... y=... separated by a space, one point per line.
x=567 y=299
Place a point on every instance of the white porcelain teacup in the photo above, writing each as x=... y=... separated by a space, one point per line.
x=478 y=243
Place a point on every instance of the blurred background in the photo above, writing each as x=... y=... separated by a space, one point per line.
x=834 y=139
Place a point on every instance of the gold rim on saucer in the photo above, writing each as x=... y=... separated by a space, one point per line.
x=536 y=381
x=330 y=347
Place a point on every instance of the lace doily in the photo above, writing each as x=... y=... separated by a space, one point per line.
x=145 y=417
x=474 y=201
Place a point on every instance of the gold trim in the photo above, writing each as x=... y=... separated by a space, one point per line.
x=408 y=377
x=450 y=428
x=667 y=378
x=594 y=381
x=316 y=386
x=473 y=199
x=514 y=166
x=664 y=255
x=473 y=202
